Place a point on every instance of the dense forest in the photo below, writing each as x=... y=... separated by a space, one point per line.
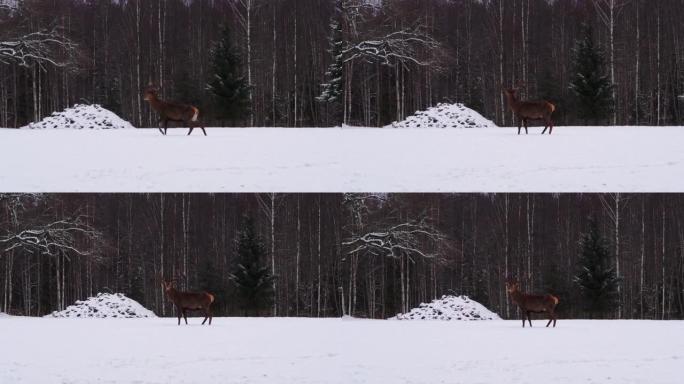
x=385 y=59
x=366 y=255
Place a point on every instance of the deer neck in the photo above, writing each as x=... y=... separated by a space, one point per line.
x=172 y=293
x=513 y=103
x=155 y=102
x=517 y=296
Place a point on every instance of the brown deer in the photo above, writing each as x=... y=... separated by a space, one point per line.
x=532 y=303
x=530 y=110
x=169 y=111
x=192 y=301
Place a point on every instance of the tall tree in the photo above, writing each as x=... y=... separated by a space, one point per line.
x=591 y=86
x=333 y=88
x=596 y=277
x=251 y=276
x=228 y=86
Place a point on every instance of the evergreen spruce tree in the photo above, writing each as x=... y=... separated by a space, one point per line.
x=591 y=84
x=596 y=278
x=252 y=279
x=332 y=90
x=227 y=84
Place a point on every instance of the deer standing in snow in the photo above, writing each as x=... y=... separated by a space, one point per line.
x=532 y=303
x=170 y=111
x=192 y=301
x=530 y=110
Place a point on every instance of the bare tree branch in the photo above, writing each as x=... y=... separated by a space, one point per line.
x=44 y=48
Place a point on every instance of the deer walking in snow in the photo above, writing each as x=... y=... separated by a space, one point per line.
x=530 y=110
x=185 y=301
x=532 y=303
x=170 y=111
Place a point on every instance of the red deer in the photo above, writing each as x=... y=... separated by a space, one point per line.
x=530 y=110
x=192 y=301
x=532 y=303
x=169 y=111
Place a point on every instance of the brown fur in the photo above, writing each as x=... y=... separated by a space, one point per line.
x=192 y=301
x=530 y=110
x=529 y=304
x=170 y=111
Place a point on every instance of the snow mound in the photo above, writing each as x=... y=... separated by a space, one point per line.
x=105 y=305
x=449 y=308
x=446 y=116
x=82 y=116
x=3 y=314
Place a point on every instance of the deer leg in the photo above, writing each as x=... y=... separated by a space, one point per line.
x=205 y=133
x=185 y=316
x=206 y=316
x=529 y=318
x=519 y=125
x=525 y=121
x=192 y=128
x=551 y=317
x=166 y=126
x=179 y=316
x=550 y=126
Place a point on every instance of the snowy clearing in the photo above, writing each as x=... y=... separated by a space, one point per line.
x=577 y=159
x=302 y=351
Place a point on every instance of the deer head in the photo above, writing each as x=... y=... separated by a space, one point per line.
x=150 y=92
x=167 y=284
x=512 y=285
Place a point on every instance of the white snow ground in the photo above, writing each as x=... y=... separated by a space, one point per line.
x=105 y=305
x=304 y=351
x=448 y=308
x=577 y=159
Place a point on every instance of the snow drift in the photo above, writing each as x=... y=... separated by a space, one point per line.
x=105 y=305
x=3 y=314
x=446 y=116
x=82 y=116
x=449 y=308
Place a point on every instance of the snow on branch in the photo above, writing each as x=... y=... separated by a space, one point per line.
x=8 y=6
x=68 y=236
x=415 y=238
x=398 y=47
x=44 y=48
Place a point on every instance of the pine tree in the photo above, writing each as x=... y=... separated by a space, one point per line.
x=252 y=279
x=332 y=90
x=228 y=85
x=596 y=278
x=591 y=84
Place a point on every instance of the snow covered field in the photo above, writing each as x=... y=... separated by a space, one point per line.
x=577 y=159
x=303 y=351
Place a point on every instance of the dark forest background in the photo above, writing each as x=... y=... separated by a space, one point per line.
x=458 y=51
x=366 y=255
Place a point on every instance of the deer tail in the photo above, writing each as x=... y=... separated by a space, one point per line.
x=555 y=300
x=211 y=298
x=196 y=113
x=552 y=107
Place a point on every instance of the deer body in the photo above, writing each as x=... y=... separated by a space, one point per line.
x=530 y=110
x=170 y=111
x=189 y=301
x=529 y=304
